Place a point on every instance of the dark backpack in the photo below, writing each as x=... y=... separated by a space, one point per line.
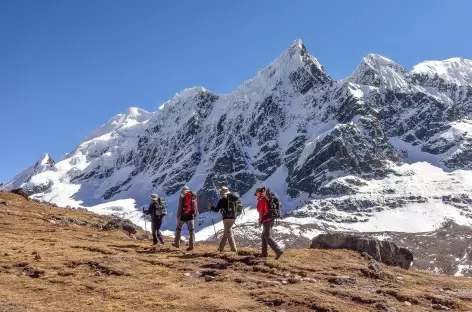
x=275 y=205
x=234 y=208
x=161 y=207
x=190 y=205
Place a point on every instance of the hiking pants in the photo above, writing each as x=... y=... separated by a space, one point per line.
x=228 y=235
x=191 y=231
x=156 y=223
x=267 y=240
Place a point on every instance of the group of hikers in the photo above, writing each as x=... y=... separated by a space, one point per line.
x=230 y=207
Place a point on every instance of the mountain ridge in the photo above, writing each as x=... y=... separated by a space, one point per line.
x=317 y=142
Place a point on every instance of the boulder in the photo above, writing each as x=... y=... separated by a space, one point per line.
x=21 y=192
x=386 y=252
x=122 y=224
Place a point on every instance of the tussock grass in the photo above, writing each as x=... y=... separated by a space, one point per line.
x=46 y=266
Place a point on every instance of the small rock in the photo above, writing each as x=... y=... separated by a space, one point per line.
x=380 y=306
x=284 y=282
x=52 y=221
x=400 y=278
x=342 y=280
x=6 y=254
x=209 y=278
x=292 y=280
x=407 y=303
x=37 y=257
x=439 y=307
x=4 y=203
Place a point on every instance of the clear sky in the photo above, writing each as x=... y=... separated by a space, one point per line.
x=67 y=66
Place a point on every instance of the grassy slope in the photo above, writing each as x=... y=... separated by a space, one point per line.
x=49 y=266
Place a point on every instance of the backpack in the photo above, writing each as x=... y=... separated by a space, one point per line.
x=190 y=204
x=234 y=208
x=161 y=207
x=275 y=205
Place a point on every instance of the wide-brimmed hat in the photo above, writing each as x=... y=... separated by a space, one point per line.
x=154 y=197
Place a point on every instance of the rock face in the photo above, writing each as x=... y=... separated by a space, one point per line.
x=383 y=251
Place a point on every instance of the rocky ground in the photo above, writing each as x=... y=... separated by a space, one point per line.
x=447 y=250
x=58 y=259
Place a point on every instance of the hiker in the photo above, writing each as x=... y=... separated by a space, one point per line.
x=230 y=207
x=157 y=209
x=186 y=213
x=268 y=207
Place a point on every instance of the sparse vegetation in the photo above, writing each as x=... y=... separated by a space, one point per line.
x=65 y=266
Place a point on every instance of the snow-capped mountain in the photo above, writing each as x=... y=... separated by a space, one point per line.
x=383 y=149
x=23 y=178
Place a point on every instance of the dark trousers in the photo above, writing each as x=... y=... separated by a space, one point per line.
x=156 y=229
x=267 y=240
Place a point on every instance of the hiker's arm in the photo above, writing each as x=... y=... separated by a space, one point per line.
x=179 y=207
x=148 y=211
x=218 y=206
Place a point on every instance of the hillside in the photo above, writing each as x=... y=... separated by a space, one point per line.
x=58 y=259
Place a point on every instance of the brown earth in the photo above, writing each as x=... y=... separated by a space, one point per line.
x=47 y=264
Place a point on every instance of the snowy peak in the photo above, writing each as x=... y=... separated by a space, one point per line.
x=133 y=116
x=379 y=71
x=453 y=71
x=295 y=69
x=44 y=161
x=43 y=164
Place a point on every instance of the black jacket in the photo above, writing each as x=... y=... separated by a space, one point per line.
x=227 y=206
x=153 y=206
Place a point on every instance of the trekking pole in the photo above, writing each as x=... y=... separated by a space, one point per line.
x=145 y=225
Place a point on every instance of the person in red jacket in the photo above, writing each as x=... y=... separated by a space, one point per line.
x=267 y=223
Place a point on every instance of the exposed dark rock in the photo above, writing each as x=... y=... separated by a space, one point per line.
x=383 y=251
x=20 y=192
x=122 y=224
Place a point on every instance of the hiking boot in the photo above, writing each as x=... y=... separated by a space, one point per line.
x=279 y=254
x=234 y=250
x=189 y=249
x=175 y=245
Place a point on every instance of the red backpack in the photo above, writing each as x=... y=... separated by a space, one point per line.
x=190 y=206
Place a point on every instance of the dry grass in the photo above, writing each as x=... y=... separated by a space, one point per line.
x=58 y=267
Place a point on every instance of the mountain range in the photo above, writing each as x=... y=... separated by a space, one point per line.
x=385 y=149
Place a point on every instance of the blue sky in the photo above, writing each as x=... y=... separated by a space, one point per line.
x=67 y=66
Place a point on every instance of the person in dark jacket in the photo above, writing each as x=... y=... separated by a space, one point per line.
x=267 y=223
x=227 y=206
x=156 y=219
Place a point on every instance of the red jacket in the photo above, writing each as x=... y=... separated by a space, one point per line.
x=263 y=210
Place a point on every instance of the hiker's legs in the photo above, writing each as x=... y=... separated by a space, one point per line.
x=264 y=252
x=224 y=238
x=191 y=233
x=158 y=229
x=178 y=232
x=230 y=236
x=154 y=230
x=267 y=227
